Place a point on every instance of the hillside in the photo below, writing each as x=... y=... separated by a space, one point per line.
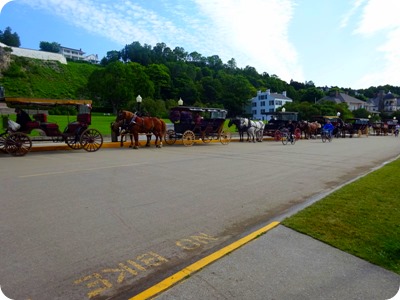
x=25 y=77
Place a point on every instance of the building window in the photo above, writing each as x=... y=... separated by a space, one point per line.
x=262 y=103
x=271 y=102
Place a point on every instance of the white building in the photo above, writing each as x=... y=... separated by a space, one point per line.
x=78 y=54
x=266 y=102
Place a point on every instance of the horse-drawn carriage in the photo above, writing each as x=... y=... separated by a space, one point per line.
x=17 y=140
x=358 y=126
x=380 y=128
x=197 y=123
x=278 y=124
x=391 y=125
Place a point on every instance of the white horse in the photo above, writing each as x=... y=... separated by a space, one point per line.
x=255 y=129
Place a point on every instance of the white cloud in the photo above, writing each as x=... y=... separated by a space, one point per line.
x=254 y=32
x=380 y=17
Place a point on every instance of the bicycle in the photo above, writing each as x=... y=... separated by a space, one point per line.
x=326 y=136
x=287 y=137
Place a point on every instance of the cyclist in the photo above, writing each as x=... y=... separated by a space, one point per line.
x=328 y=127
x=290 y=127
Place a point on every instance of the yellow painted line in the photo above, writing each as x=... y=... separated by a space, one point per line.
x=174 y=279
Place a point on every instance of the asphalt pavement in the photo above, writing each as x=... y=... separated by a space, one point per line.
x=275 y=262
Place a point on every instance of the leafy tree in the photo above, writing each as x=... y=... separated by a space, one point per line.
x=311 y=94
x=112 y=56
x=50 y=47
x=237 y=91
x=112 y=85
x=211 y=90
x=9 y=38
x=361 y=113
x=159 y=75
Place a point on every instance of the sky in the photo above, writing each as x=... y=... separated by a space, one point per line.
x=345 y=43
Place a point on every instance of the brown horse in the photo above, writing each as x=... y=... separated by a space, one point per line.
x=136 y=125
x=310 y=129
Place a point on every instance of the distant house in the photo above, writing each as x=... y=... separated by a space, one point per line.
x=267 y=102
x=78 y=54
x=383 y=102
x=352 y=103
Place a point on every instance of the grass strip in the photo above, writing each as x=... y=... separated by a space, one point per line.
x=362 y=218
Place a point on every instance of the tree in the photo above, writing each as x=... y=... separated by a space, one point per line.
x=112 y=56
x=9 y=38
x=311 y=94
x=159 y=75
x=50 y=47
x=112 y=86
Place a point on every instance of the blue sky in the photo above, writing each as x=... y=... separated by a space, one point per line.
x=353 y=43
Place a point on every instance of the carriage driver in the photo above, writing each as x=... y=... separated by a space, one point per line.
x=290 y=127
x=22 y=118
x=328 y=127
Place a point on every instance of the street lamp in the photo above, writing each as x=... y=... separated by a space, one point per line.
x=138 y=101
x=283 y=109
x=338 y=114
x=369 y=116
x=180 y=102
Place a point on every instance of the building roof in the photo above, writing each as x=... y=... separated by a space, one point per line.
x=280 y=96
x=342 y=98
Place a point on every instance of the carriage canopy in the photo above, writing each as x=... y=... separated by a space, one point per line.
x=283 y=116
x=206 y=112
x=83 y=106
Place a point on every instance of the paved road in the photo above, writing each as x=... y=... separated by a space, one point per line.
x=77 y=225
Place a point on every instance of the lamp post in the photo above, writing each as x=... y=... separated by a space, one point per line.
x=180 y=102
x=338 y=114
x=138 y=101
x=283 y=109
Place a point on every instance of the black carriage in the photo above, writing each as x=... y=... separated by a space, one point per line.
x=77 y=134
x=391 y=125
x=277 y=124
x=197 y=123
x=358 y=126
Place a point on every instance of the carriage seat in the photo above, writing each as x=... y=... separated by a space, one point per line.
x=40 y=117
x=51 y=129
x=32 y=125
x=84 y=118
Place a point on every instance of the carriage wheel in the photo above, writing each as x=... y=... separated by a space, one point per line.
x=188 y=138
x=284 y=139
x=3 y=138
x=277 y=135
x=18 y=144
x=170 y=137
x=297 y=134
x=225 y=137
x=73 y=142
x=206 y=138
x=91 y=140
x=323 y=137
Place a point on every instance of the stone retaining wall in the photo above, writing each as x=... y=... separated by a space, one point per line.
x=36 y=54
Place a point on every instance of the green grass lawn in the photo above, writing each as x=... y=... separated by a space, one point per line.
x=362 y=218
